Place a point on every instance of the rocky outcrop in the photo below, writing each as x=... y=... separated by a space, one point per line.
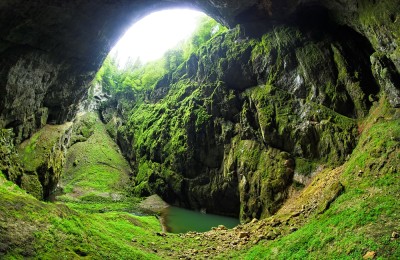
x=9 y=159
x=42 y=157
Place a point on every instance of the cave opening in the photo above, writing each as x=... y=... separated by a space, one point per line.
x=151 y=37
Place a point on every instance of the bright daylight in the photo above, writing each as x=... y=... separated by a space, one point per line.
x=149 y=38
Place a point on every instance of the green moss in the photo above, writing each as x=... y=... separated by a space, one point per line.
x=274 y=46
x=314 y=131
x=378 y=13
x=37 y=230
x=9 y=158
x=202 y=117
x=351 y=83
x=37 y=151
x=381 y=23
x=59 y=231
x=94 y=166
x=160 y=132
x=363 y=218
x=263 y=177
x=312 y=62
x=32 y=185
x=305 y=167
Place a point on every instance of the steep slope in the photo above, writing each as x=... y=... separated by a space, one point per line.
x=344 y=212
x=92 y=217
x=289 y=121
x=358 y=218
x=95 y=175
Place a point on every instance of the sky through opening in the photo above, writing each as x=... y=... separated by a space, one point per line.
x=149 y=38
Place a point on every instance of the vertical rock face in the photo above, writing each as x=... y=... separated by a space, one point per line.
x=229 y=128
x=49 y=52
x=42 y=158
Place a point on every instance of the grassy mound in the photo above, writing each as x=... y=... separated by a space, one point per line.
x=96 y=175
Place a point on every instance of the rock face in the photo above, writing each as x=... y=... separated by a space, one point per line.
x=239 y=118
x=227 y=130
x=42 y=158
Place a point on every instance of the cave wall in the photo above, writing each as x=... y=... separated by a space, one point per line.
x=230 y=127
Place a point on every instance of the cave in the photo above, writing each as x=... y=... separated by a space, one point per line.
x=288 y=118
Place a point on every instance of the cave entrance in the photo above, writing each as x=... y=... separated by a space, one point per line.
x=151 y=37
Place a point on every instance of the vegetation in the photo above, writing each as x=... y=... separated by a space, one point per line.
x=222 y=122
x=364 y=217
x=138 y=77
x=9 y=158
x=95 y=175
x=38 y=230
x=229 y=94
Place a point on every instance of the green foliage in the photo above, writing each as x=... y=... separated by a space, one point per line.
x=159 y=129
x=206 y=30
x=141 y=77
x=57 y=231
x=134 y=76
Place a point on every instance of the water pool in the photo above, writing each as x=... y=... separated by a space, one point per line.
x=179 y=220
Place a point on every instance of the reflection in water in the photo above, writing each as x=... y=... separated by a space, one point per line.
x=180 y=220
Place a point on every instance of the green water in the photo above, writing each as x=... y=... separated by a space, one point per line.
x=179 y=220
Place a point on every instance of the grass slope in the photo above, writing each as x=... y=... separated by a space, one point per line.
x=96 y=175
x=37 y=230
x=92 y=220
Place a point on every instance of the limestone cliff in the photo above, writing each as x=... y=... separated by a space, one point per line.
x=257 y=114
x=229 y=128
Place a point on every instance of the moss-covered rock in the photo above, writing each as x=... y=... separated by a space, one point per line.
x=43 y=157
x=32 y=185
x=294 y=93
x=9 y=158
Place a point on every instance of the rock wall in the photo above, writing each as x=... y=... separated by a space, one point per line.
x=230 y=127
x=42 y=158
